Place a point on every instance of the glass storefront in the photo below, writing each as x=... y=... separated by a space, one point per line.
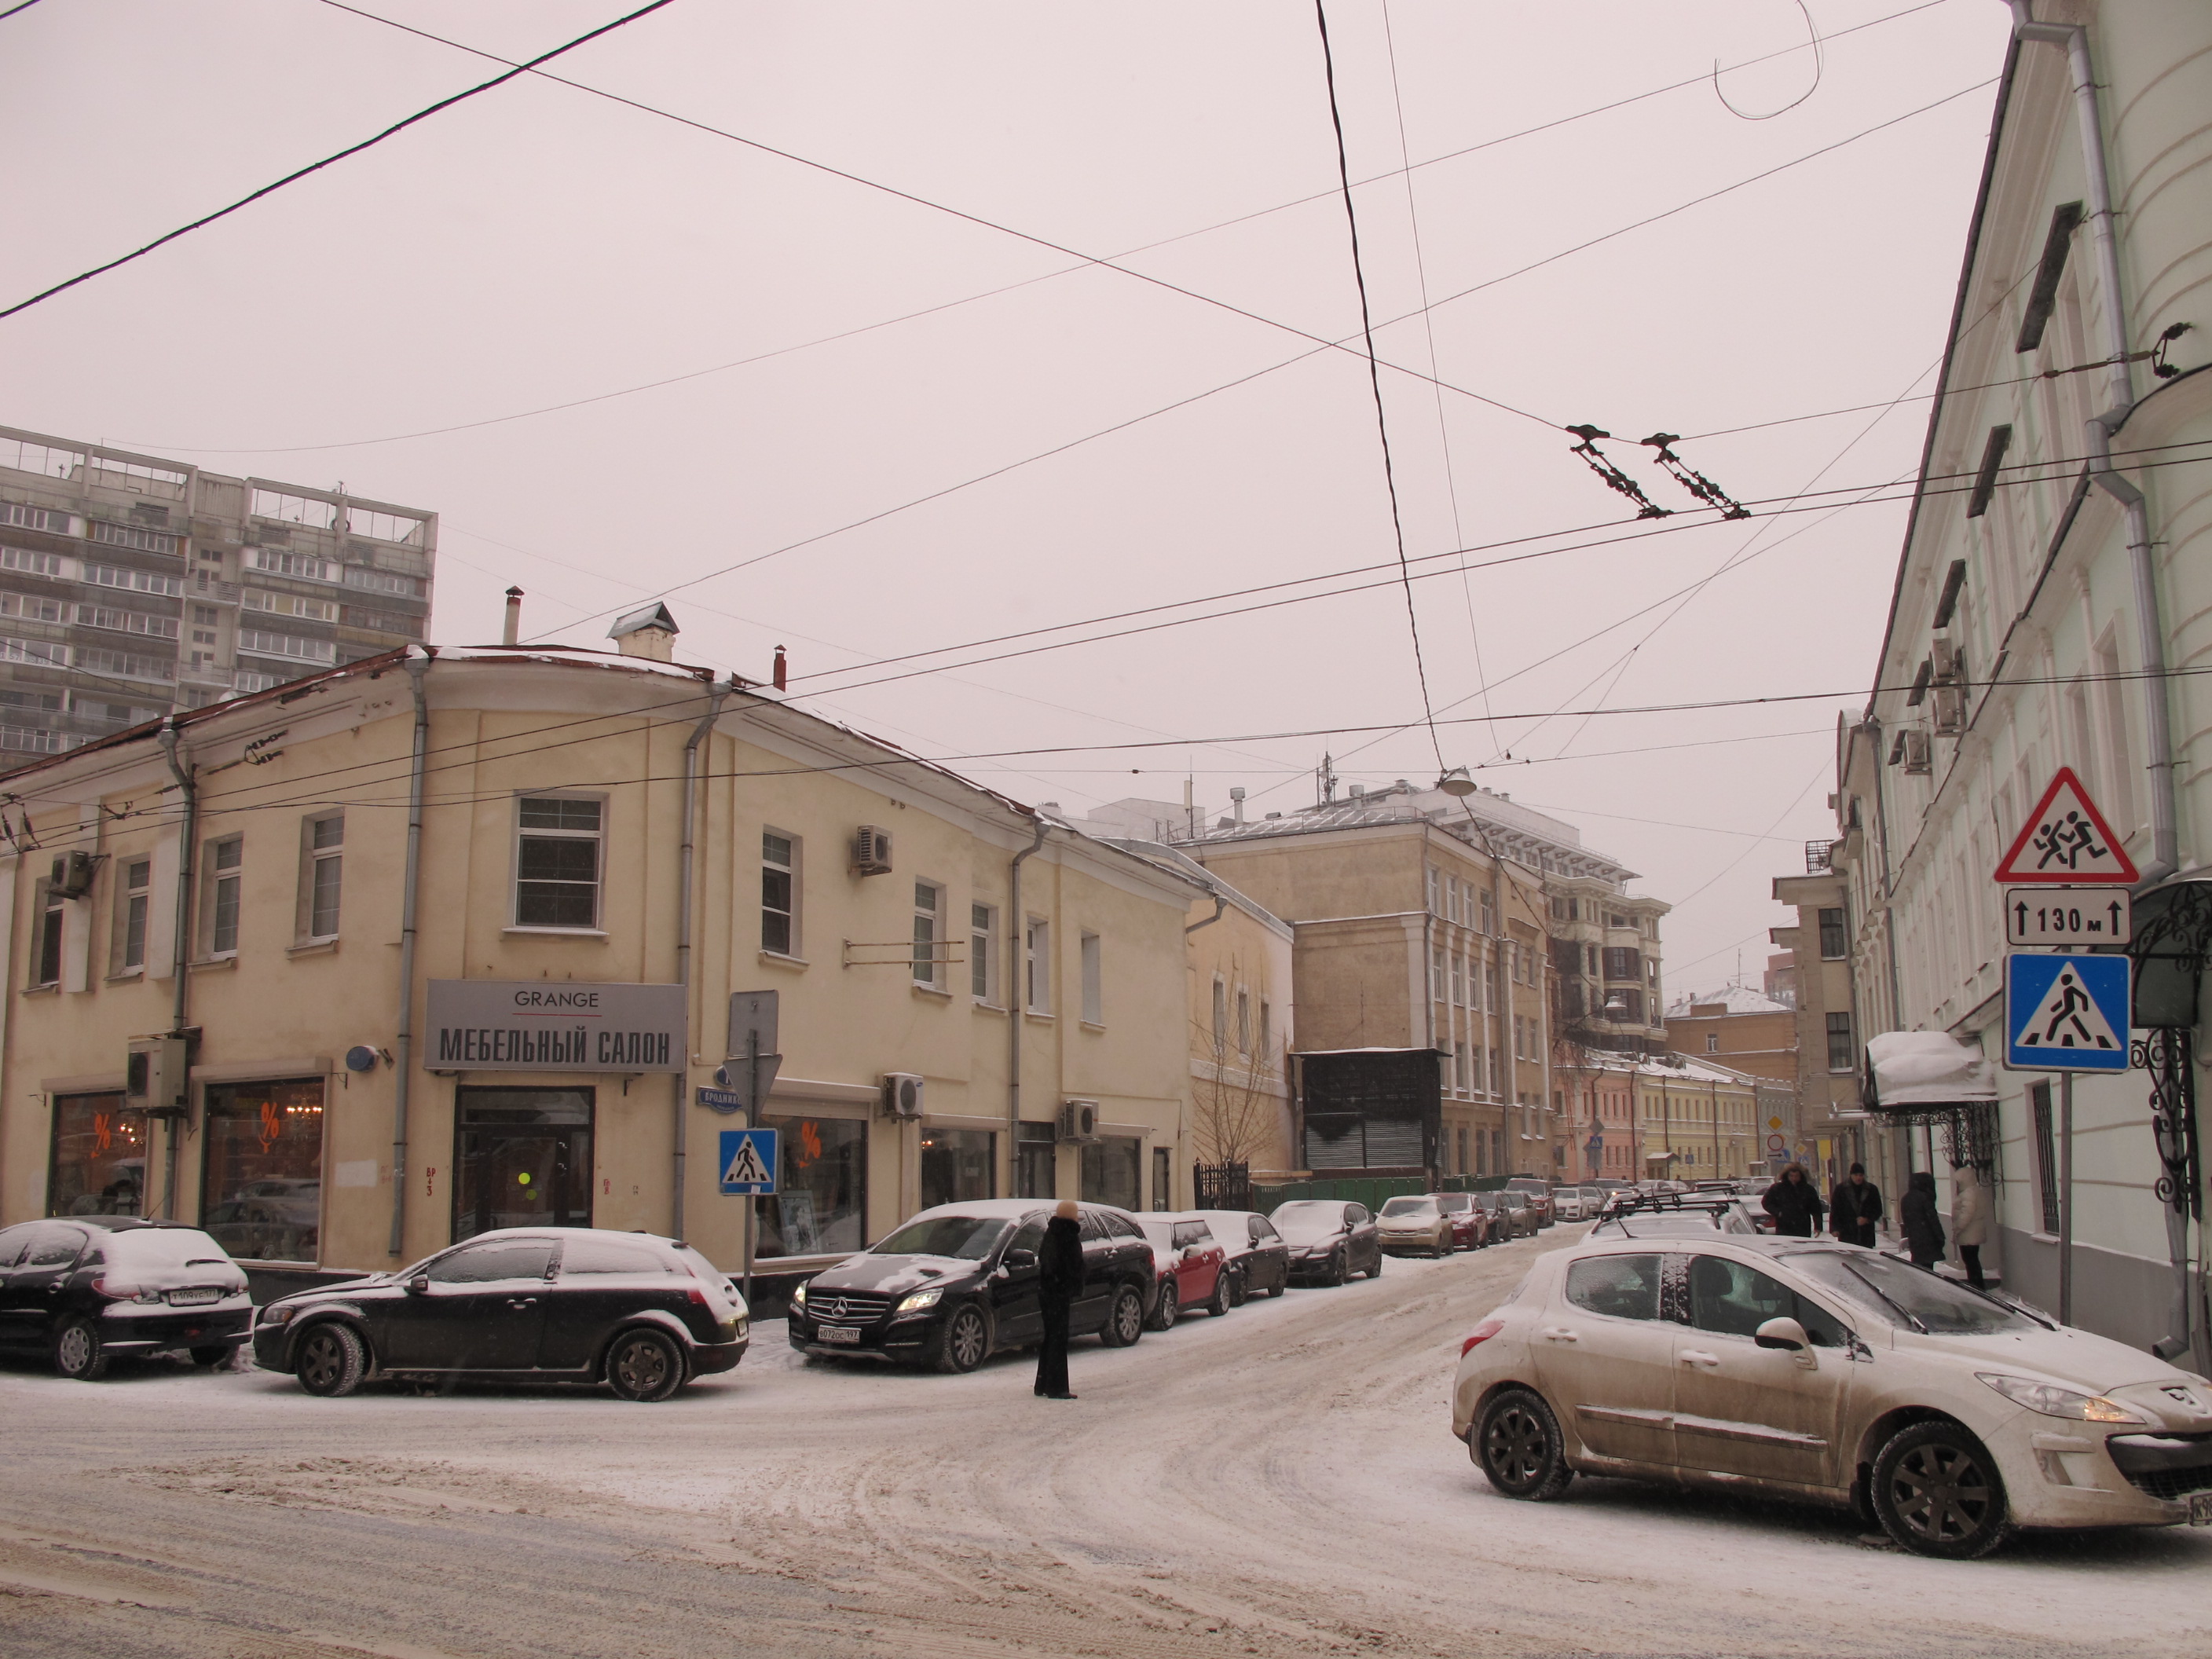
x=1113 y=1171
x=958 y=1164
x=823 y=1203
x=98 y=1163
x=261 y=1180
x=1036 y=1152
x=523 y=1158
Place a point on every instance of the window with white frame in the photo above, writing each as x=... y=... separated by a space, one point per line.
x=983 y=953
x=224 y=880
x=779 y=932
x=1094 y=987
x=134 y=890
x=928 y=928
x=46 y=964
x=1037 y=966
x=322 y=871
x=557 y=860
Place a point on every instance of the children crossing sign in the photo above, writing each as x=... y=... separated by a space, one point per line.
x=2066 y=1013
x=2066 y=841
x=748 y=1162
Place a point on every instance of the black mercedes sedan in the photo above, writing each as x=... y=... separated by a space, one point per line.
x=82 y=1290
x=959 y=1282
x=642 y=1314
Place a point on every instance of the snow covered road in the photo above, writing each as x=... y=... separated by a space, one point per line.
x=1279 y=1482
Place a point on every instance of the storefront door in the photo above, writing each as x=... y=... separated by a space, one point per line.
x=524 y=1158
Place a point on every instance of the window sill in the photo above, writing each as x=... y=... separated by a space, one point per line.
x=984 y=1006
x=40 y=990
x=314 y=947
x=777 y=959
x=125 y=976
x=937 y=990
x=1094 y=1025
x=557 y=933
x=1042 y=1017
x=214 y=965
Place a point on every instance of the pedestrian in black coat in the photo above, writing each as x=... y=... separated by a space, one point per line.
x=1855 y=1208
x=1923 y=1228
x=1796 y=1207
x=1060 y=1281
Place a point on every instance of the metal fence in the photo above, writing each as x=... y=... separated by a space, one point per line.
x=1221 y=1185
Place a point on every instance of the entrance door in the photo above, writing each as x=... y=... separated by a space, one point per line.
x=524 y=1158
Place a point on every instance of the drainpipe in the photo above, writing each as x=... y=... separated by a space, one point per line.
x=403 y=1039
x=1018 y=999
x=182 y=964
x=1220 y=904
x=686 y=865
x=2142 y=574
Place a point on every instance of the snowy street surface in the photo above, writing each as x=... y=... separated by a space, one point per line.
x=1279 y=1482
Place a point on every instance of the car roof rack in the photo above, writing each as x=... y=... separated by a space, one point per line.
x=1629 y=1203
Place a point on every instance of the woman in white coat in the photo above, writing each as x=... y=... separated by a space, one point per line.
x=1969 y=1219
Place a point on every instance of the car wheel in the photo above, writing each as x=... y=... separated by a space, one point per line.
x=210 y=1358
x=1218 y=1304
x=79 y=1354
x=1375 y=1271
x=1282 y=1285
x=644 y=1365
x=1517 y=1442
x=966 y=1342
x=1237 y=1291
x=1340 y=1271
x=1937 y=1492
x=1125 y=1319
x=1168 y=1307
x=330 y=1361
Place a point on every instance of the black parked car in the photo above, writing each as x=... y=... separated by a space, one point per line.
x=959 y=1282
x=1329 y=1239
x=642 y=1314
x=83 y=1289
x=1259 y=1260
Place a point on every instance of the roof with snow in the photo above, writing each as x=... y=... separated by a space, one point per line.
x=1731 y=999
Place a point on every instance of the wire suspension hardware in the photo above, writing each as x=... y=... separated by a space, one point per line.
x=1613 y=476
x=1692 y=480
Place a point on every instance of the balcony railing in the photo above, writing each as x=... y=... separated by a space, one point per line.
x=1817 y=854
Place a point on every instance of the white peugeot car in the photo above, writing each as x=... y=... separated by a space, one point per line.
x=1823 y=1371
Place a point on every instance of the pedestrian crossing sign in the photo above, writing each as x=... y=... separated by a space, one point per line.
x=748 y=1163
x=2066 y=1013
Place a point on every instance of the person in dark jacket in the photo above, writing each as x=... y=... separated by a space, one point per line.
x=1060 y=1281
x=1855 y=1208
x=1923 y=1228
x=1796 y=1207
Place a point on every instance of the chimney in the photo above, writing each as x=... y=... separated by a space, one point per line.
x=1236 y=804
x=778 y=675
x=648 y=632
x=511 y=633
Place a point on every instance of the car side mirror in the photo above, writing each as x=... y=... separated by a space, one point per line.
x=1786 y=1334
x=419 y=1285
x=1018 y=1259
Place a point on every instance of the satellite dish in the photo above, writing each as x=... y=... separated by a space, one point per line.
x=360 y=1058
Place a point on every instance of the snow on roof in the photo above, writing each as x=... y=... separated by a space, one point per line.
x=1731 y=999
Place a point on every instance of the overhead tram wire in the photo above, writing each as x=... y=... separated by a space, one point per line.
x=865 y=328
x=316 y=167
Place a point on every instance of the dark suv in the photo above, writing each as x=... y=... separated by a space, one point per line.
x=87 y=1288
x=959 y=1282
x=565 y=1304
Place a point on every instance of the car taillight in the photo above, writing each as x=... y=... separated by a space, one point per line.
x=1481 y=1332
x=698 y=1294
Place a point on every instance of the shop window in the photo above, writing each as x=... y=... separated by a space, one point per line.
x=223 y=883
x=98 y=1162
x=958 y=1165
x=261 y=1189
x=133 y=892
x=556 y=861
x=779 y=894
x=928 y=925
x=524 y=1158
x=322 y=859
x=1094 y=976
x=1037 y=1164
x=824 y=1200
x=982 y=953
x=1111 y=1171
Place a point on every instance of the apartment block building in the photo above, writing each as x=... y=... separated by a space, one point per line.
x=131 y=586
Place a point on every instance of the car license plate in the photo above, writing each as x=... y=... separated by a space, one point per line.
x=2200 y=1509
x=192 y=1299
x=838 y=1334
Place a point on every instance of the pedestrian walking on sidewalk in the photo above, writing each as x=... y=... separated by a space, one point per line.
x=1970 y=1220
x=1855 y=1208
x=1796 y=1207
x=1923 y=1228
x=1060 y=1281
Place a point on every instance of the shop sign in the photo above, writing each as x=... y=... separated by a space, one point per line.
x=545 y=1025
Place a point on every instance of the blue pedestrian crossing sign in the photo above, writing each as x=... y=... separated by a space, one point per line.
x=2066 y=1013
x=748 y=1162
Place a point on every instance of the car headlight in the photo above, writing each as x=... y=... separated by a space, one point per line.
x=919 y=1300
x=798 y=1298
x=2051 y=1400
x=279 y=1315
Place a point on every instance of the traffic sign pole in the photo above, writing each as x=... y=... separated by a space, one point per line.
x=2066 y=1198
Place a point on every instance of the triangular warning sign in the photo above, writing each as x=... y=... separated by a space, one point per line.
x=2067 y=1020
x=746 y=1169
x=2066 y=840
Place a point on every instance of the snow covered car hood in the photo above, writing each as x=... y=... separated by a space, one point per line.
x=893 y=1275
x=2077 y=1359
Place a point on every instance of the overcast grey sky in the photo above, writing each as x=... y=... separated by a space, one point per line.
x=538 y=245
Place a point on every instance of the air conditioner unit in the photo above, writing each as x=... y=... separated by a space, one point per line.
x=71 y=877
x=872 y=851
x=1078 y=1122
x=1950 y=710
x=154 y=1076
x=1949 y=663
x=902 y=1094
x=1914 y=743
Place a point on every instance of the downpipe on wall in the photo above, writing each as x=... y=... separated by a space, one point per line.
x=180 y=769
x=403 y=1037
x=686 y=876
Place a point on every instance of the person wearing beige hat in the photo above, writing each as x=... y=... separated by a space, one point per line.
x=1060 y=1281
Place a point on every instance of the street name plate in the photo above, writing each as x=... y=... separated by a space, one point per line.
x=2067 y=916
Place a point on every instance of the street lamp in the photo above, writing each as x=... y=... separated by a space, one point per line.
x=1457 y=783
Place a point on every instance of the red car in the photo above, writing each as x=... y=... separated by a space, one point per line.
x=1470 y=1222
x=1187 y=1262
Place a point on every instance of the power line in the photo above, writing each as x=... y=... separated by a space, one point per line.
x=22 y=5
x=317 y=166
